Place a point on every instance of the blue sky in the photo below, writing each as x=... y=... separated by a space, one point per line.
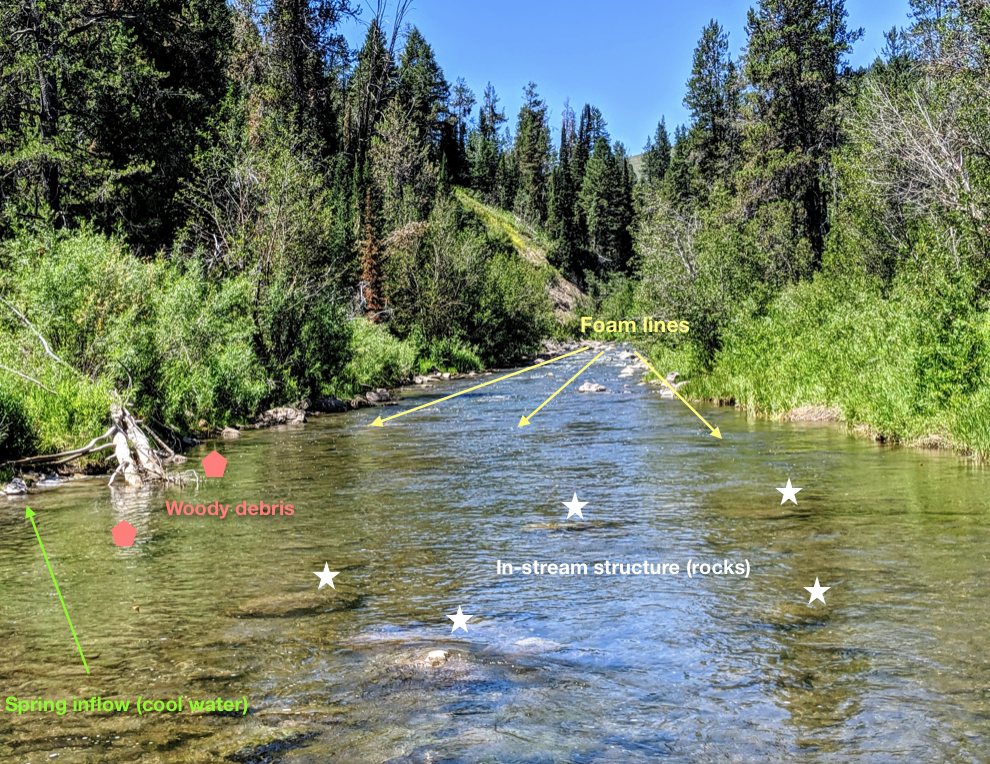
x=631 y=59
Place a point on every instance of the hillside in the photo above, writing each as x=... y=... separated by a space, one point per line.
x=531 y=246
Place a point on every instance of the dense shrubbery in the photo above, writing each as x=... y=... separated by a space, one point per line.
x=857 y=281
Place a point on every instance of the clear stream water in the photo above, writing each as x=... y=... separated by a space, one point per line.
x=553 y=669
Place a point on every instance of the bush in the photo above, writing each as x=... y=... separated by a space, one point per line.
x=448 y=354
x=376 y=359
x=16 y=438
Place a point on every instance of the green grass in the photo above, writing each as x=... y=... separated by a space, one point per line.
x=851 y=350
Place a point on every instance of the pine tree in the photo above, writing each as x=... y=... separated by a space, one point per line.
x=306 y=48
x=485 y=147
x=713 y=99
x=423 y=91
x=371 y=274
x=677 y=180
x=796 y=63
x=101 y=109
x=532 y=149
x=461 y=104
x=656 y=156
x=606 y=199
x=562 y=200
x=591 y=127
x=370 y=87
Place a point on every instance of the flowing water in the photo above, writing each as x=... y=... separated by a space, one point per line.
x=573 y=668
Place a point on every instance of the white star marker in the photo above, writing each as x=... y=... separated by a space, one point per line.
x=789 y=492
x=817 y=591
x=460 y=620
x=326 y=577
x=574 y=507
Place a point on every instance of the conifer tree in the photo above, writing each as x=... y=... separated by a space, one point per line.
x=796 y=63
x=532 y=149
x=713 y=98
x=306 y=49
x=461 y=104
x=485 y=148
x=607 y=205
x=562 y=200
x=591 y=127
x=423 y=91
x=677 y=179
x=371 y=86
x=656 y=156
x=69 y=148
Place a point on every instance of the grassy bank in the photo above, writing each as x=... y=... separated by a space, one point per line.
x=894 y=366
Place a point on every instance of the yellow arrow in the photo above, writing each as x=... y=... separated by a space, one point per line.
x=523 y=421
x=381 y=422
x=715 y=431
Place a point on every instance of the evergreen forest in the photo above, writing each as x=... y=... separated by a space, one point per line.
x=214 y=207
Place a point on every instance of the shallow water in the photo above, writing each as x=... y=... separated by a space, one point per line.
x=578 y=668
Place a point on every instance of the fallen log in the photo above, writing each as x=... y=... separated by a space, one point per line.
x=125 y=464
x=148 y=462
x=65 y=456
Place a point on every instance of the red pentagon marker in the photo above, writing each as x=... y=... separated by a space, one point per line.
x=214 y=465
x=123 y=533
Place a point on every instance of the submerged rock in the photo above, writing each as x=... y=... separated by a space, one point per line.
x=283 y=415
x=295 y=604
x=591 y=387
x=15 y=487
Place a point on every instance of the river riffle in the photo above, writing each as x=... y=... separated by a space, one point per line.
x=576 y=668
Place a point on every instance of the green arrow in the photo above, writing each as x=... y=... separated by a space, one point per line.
x=30 y=516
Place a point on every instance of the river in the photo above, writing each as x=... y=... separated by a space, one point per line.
x=575 y=668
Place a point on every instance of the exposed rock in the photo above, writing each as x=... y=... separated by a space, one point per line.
x=230 y=432
x=437 y=657
x=628 y=371
x=179 y=459
x=549 y=374
x=625 y=354
x=591 y=387
x=420 y=380
x=15 y=487
x=359 y=402
x=50 y=481
x=283 y=415
x=329 y=405
x=666 y=392
x=446 y=375
x=380 y=396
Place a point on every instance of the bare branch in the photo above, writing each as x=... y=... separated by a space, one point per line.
x=69 y=455
x=44 y=342
x=29 y=379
